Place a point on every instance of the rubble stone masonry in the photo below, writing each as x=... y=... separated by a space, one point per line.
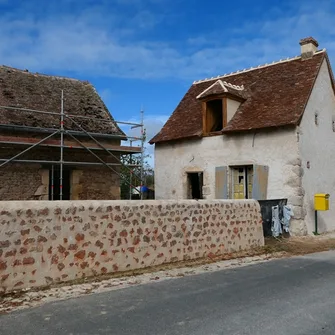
x=43 y=242
x=31 y=182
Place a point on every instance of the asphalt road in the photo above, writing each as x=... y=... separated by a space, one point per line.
x=282 y=297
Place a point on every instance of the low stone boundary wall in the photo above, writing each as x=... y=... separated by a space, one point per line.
x=44 y=242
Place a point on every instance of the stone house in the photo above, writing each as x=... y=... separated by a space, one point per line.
x=264 y=133
x=35 y=173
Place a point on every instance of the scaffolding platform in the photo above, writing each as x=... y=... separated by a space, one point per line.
x=105 y=149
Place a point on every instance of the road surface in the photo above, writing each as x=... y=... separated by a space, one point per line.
x=293 y=296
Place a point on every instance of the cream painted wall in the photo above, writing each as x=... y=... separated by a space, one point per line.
x=277 y=149
x=285 y=152
x=317 y=146
x=232 y=106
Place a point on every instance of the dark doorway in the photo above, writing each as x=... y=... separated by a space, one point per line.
x=54 y=178
x=214 y=116
x=195 y=183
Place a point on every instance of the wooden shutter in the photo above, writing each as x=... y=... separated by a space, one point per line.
x=221 y=182
x=260 y=182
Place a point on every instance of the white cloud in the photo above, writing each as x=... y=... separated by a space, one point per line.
x=146 y=19
x=152 y=125
x=93 y=43
x=139 y=2
x=88 y=43
x=107 y=95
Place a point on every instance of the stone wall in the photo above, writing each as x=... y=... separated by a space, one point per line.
x=97 y=183
x=44 y=242
x=21 y=182
x=31 y=181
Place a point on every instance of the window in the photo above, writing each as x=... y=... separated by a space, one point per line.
x=242 y=182
x=214 y=119
x=54 y=183
x=195 y=183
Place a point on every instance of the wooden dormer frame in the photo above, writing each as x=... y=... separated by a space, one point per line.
x=223 y=98
x=204 y=115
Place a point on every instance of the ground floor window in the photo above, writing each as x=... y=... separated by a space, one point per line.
x=54 y=183
x=195 y=184
x=242 y=182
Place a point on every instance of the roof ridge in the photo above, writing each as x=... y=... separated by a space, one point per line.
x=253 y=68
x=43 y=74
x=223 y=85
x=235 y=87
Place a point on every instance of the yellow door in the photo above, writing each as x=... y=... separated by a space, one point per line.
x=239 y=183
x=250 y=181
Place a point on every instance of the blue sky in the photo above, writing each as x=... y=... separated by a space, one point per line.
x=148 y=52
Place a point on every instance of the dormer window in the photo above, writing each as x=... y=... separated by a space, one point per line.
x=216 y=117
x=220 y=102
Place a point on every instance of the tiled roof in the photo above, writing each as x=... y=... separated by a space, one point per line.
x=23 y=89
x=276 y=94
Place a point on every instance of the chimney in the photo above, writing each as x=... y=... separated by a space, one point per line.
x=308 y=47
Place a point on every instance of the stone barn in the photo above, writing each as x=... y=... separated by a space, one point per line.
x=32 y=157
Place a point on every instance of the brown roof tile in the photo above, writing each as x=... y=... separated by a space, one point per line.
x=23 y=89
x=277 y=95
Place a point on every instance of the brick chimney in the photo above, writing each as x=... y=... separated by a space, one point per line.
x=308 y=47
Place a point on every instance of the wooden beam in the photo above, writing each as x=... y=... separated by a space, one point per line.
x=204 y=118
x=224 y=112
x=16 y=140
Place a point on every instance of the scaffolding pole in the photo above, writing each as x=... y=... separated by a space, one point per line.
x=142 y=151
x=97 y=142
x=83 y=132
x=96 y=156
x=52 y=182
x=71 y=115
x=40 y=161
x=27 y=110
x=26 y=150
x=61 y=148
x=67 y=146
x=141 y=125
x=130 y=175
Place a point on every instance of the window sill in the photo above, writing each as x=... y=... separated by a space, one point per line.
x=214 y=133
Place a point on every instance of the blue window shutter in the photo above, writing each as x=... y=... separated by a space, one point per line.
x=221 y=182
x=260 y=182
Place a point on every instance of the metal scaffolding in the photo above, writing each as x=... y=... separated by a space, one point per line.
x=73 y=134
